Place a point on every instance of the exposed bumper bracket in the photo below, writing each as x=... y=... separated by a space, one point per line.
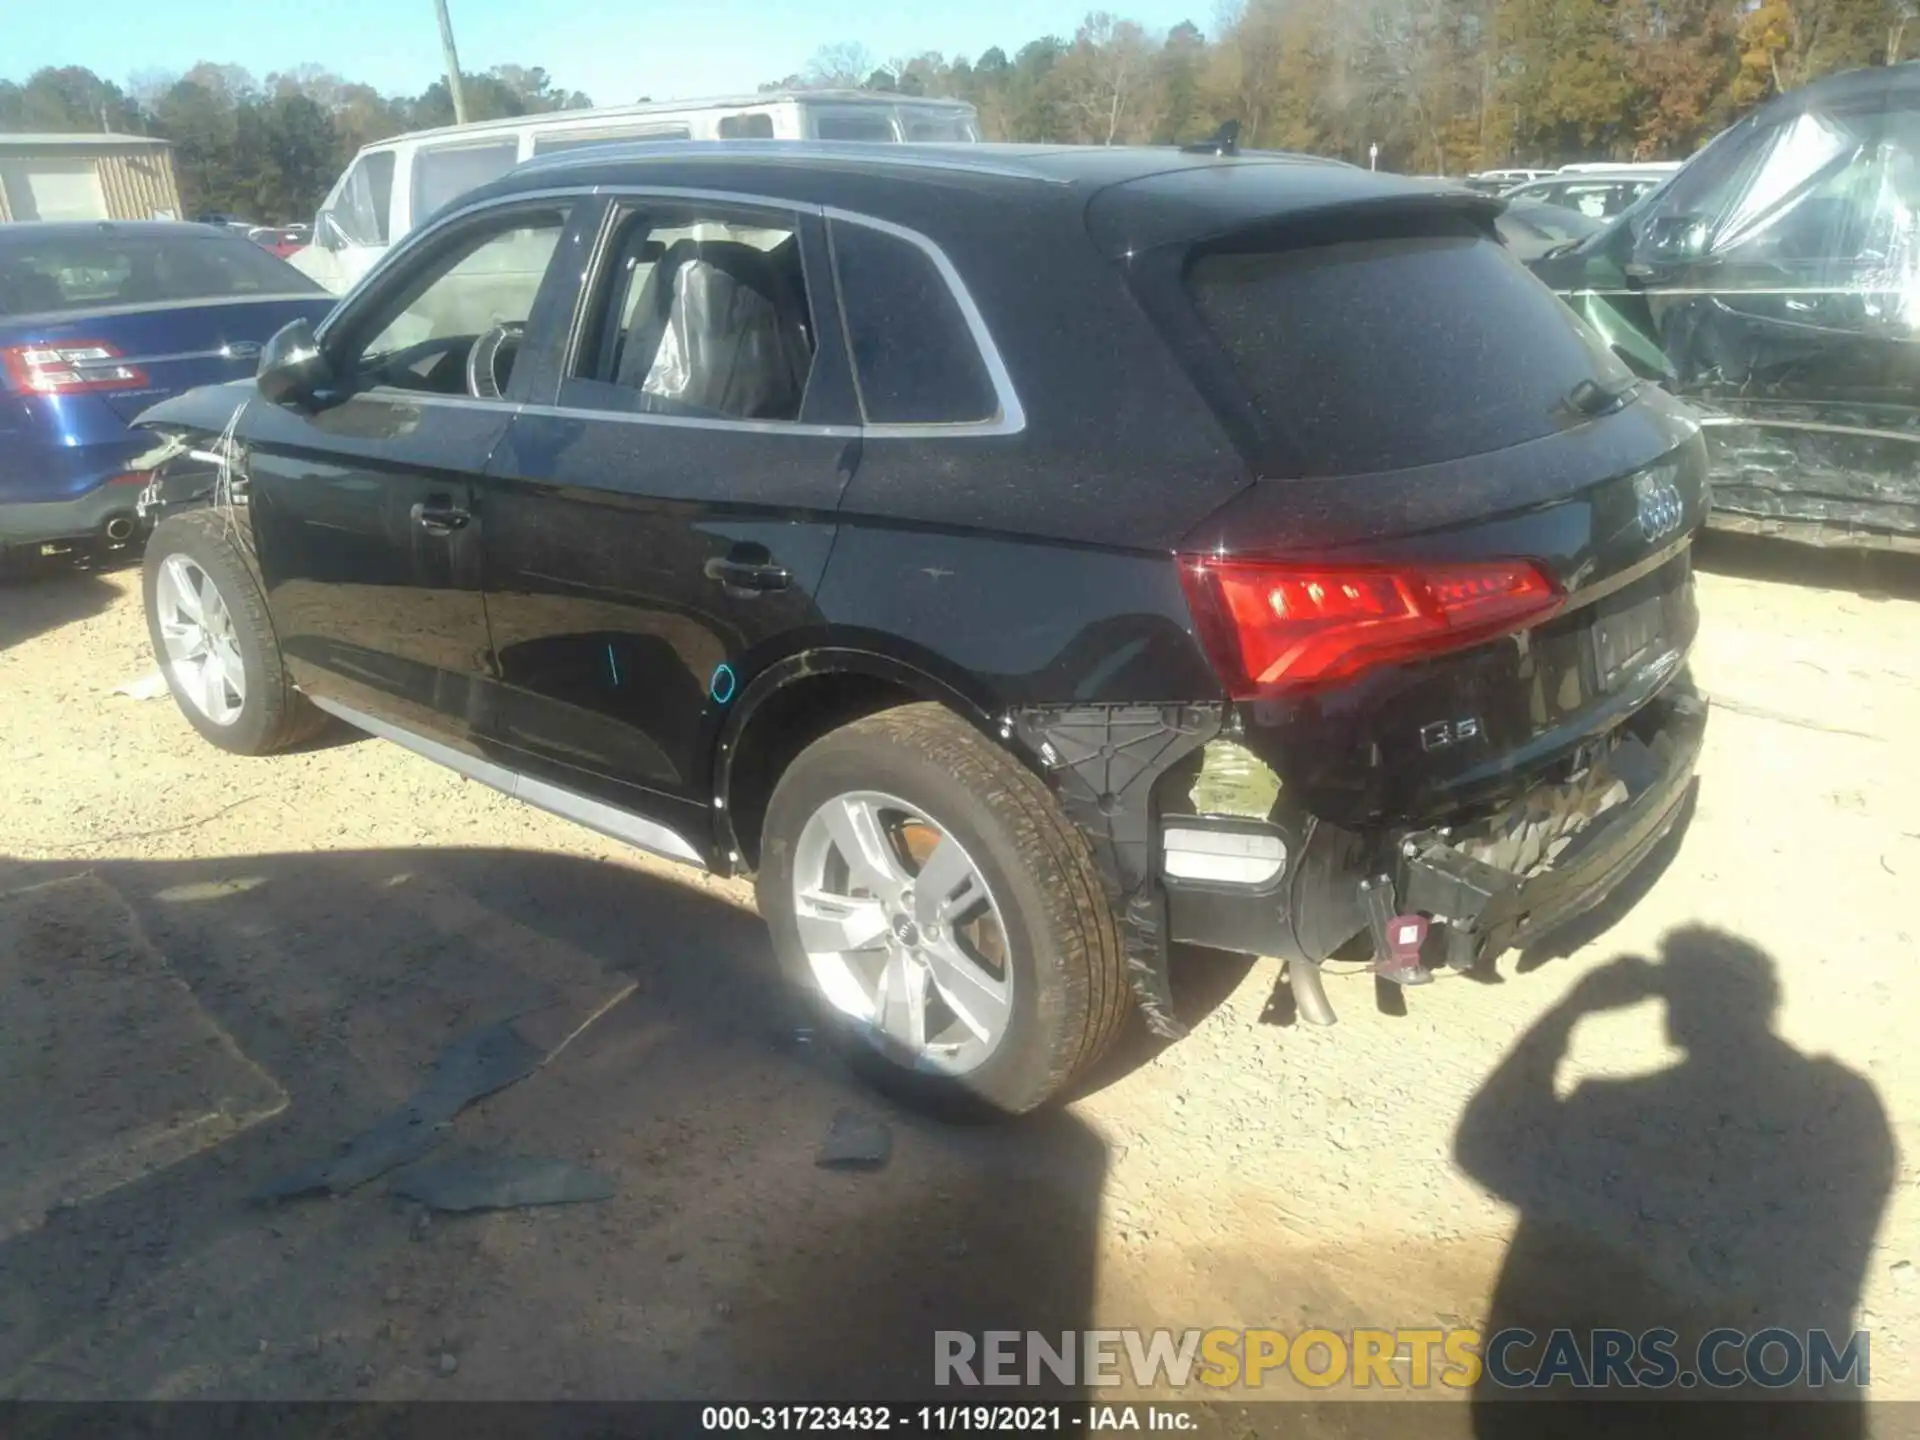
x=1104 y=760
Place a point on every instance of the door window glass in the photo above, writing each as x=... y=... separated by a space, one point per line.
x=699 y=312
x=420 y=335
x=445 y=173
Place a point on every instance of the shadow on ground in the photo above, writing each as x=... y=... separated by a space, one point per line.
x=728 y=1265
x=1740 y=1188
x=36 y=600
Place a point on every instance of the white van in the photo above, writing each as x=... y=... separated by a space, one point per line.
x=394 y=185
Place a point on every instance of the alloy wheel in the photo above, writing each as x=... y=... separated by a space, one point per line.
x=903 y=933
x=197 y=632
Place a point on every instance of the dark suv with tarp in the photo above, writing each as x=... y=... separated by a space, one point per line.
x=1775 y=282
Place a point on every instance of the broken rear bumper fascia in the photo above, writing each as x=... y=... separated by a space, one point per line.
x=1489 y=910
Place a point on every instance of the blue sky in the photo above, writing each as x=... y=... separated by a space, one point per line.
x=615 y=50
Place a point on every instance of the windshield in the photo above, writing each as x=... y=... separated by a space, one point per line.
x=357 y=211
x=42 y=273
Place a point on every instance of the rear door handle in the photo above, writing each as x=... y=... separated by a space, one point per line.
x=439 y=517
x=748 y=577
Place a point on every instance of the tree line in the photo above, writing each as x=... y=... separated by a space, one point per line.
x=1440 y=86
x=265 y=150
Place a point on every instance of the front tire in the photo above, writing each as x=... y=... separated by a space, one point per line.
x=945 y=919
x=207 y=619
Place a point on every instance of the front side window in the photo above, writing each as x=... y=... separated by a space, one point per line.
x=915 y=358
x=417 y=337
x=698 y=312
x=358 y=211
x=444 y=173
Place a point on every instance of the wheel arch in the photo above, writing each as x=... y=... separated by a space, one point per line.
x=792 y=703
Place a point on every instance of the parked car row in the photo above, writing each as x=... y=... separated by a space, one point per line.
x=397 y=185
x=99 y=321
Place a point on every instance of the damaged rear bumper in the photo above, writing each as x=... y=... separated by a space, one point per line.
x=1487 y=909
x=1298 y=888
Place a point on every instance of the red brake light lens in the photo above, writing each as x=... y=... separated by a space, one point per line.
x=1273 y=626
x=72 y=367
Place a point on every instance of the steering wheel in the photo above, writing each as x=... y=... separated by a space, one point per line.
x=484 y=375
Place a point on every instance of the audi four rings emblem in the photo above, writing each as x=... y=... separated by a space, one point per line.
x=1661 y=508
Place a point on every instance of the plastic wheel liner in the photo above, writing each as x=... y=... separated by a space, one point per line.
x=1775 y=283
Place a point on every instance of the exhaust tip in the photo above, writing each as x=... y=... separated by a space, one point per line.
x=119 y=529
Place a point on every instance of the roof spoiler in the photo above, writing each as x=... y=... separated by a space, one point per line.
x=1224 y=141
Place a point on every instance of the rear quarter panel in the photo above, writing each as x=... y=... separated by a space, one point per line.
x=1037 y=567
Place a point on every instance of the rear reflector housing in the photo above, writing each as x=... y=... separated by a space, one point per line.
x=1277 y=626
x=1220 y=857
x=69 y=368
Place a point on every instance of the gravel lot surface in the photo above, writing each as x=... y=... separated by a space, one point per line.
x=266 y=954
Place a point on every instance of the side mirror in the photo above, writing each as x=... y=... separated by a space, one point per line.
x=292 y=366
x=1673 y=239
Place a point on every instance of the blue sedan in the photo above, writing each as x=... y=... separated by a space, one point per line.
x=98 y=321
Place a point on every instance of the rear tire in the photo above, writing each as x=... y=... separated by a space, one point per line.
x=927 y=779
x=207 y=620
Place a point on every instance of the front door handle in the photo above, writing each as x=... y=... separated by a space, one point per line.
x=438 y=516
x=745 y=578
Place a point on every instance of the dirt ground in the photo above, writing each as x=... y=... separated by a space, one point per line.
x=267 y=954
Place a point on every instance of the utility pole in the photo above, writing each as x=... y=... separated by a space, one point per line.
x=453 y=64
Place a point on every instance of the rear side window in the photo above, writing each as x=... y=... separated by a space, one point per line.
x=553 y=142
x=40 y=274
x=755 y=126
x=913 y=353
x=1407 y=349
x=853 y=124
x=444 y=175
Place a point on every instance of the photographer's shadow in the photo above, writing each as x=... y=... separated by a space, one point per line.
x=1739 y=1188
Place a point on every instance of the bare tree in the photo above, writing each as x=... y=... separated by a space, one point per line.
x=844 y=66
x=1103 y=77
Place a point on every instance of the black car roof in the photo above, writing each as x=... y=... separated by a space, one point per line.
x=1848 y=84
x=1148 y=196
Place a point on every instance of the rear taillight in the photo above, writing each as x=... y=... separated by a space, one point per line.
x=1273 y=626
x=71 y=367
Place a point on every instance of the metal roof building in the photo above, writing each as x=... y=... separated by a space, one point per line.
x=87 y=177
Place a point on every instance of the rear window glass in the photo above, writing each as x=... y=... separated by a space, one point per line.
x=81 y=272
x=870 y=125
x=1408 y=349
x=444 y=175
x=913 y=354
